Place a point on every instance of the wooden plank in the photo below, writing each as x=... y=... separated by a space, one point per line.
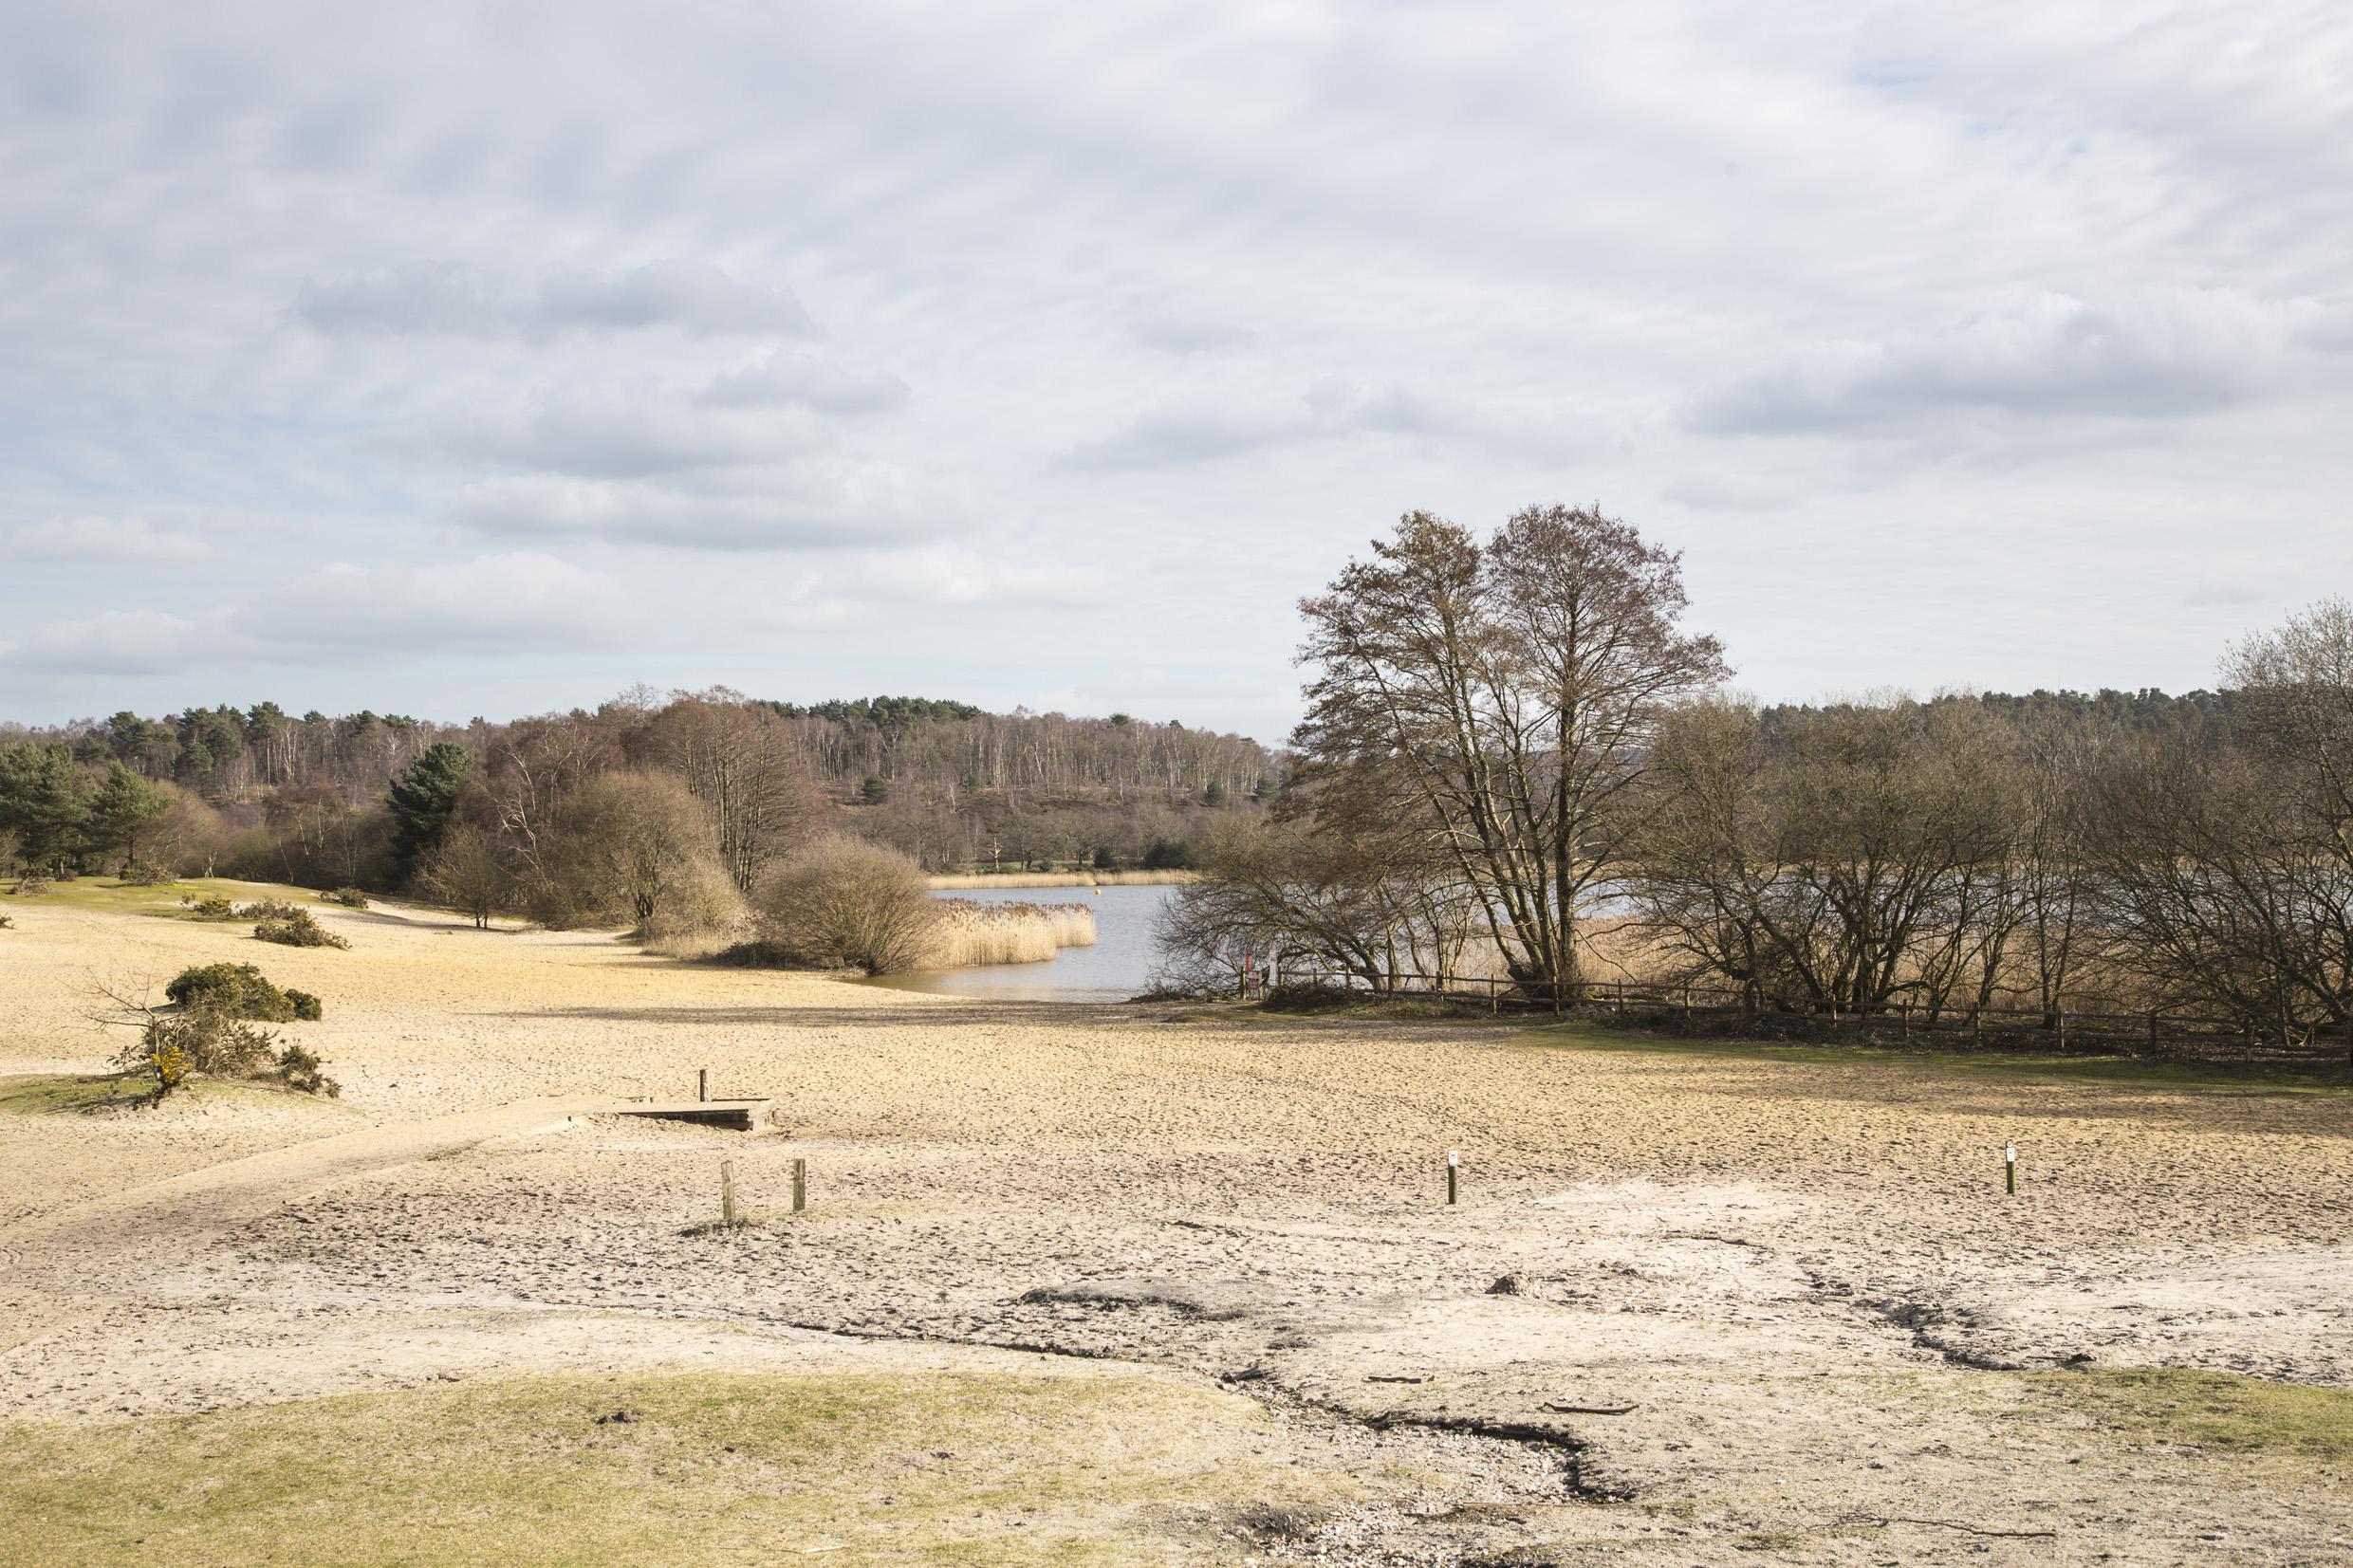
x=742 y=1114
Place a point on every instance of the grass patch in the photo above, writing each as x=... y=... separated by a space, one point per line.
x=2219 y=1411
x=687 y=1468
x=92 y=1094
x=105 y=893
x=2120 y=1071
x=74 y=1094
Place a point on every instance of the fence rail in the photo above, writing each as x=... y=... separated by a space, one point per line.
x=2157 y=1032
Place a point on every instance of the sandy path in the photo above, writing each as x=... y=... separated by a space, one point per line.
x=1793 y=1275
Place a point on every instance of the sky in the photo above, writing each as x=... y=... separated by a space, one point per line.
x=491 y=359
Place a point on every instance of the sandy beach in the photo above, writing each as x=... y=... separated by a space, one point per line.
x=1692 y=1305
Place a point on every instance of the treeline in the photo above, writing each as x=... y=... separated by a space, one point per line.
x=1515 y=761
x=318 y=799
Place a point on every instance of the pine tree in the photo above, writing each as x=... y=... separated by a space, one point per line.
x=125 y=806
x=421 y=799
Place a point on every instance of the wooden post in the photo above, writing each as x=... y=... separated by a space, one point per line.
x=2063 y=1028
x=1687 y=1005
x=1495 y=995
x=1976 y=1025
x=2009 y=1165
x=726 y=1191
x=2153 y=1032
x=800 y=1186
x=703 y=1086
x=1454 y=1158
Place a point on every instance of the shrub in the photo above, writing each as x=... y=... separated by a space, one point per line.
x=211 y=907
x=351 y=898
x=32 y=885
x=844 y=901
x=142 y=874
x=7 y=922
x=173 y=1049
x=300 y=1068
x=296 y=928
x=234 y=990
x=307 y=1007
x=267 y=909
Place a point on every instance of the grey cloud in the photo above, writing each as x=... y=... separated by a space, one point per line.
x=2174 y=353
x=625 y=434
x=439 y=297
x=805 y=379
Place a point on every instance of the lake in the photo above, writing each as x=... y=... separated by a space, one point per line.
x=1115 y=968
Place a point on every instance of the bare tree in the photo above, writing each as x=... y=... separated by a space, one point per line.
x=1508 y=693
x=844 y=901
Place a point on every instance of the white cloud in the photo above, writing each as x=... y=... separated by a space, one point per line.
x=117 y=539
x=513 y=601
x=115 y=642
x=823 y=505
x=1204 y=429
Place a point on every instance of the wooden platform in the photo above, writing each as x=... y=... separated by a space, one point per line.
x=741 y=1114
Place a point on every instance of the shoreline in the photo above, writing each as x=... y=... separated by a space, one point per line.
x=968 y=882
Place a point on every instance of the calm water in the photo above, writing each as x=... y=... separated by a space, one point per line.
x=1113 y=970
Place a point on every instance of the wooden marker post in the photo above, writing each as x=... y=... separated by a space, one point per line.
x=702 y=1087
x=800 y=1186
x=2009 y=1165
x=1454 y=1161
x=726 y=1191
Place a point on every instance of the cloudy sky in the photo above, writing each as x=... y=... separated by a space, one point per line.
x=458 y=360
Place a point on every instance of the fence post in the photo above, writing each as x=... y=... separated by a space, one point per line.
x=1687 y=1005
x=703 y=1086
x=726 y=1191
x=2063 y=1028
x=1494 y=994
x=800 y=1185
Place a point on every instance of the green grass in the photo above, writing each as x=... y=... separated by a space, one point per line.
x=710 y=1467
x=83 y=1094
x=2120 y=1071
x=2219 y=1411
x=105 y=892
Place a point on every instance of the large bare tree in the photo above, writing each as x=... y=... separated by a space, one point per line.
x=1505 y=695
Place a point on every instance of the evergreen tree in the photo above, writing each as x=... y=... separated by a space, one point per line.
x=125 y=806
x=421 y=799
x=43 y=801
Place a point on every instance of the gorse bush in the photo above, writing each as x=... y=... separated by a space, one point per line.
x=842 y=902
x=206 y=1041
x=296 y=928
x=211 y=907
x=236 y=991
x=307 y=1008
x=351 y=898
x=139 y=874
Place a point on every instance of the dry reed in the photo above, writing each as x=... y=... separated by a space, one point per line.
x=949 y=882
x=971 y=932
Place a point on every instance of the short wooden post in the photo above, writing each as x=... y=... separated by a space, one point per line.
x=1976 y=1025
x=1687 y=1006
x=1495 y=995
x=726 y=1191
x=2063 y=1028
x=800 y=1186
x=1453 y=1159
x=2009 y=1165
x=703 y=1086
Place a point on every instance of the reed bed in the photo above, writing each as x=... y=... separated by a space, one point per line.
x=971 y=932
x=952 y=881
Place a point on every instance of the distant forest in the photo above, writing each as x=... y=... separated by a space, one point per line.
x=262 y=793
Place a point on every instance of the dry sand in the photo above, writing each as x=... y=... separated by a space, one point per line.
x=1691 y=1308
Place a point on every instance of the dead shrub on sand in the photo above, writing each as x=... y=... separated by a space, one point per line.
x=847 y=903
